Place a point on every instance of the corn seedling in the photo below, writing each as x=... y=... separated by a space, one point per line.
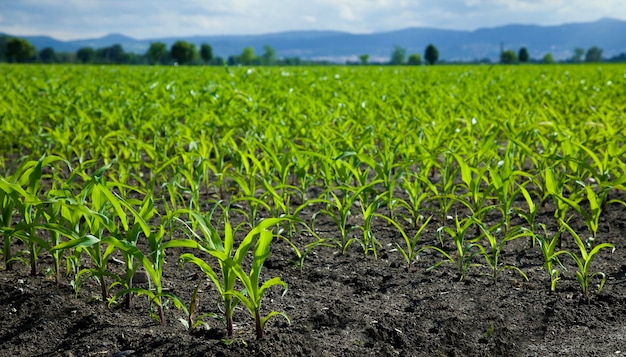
x=223 y=249
x=11 y=195
x=414 y=189
x=369 y=243
x=548 y=242
x=583 y=262
x=339 y=209
x=253 y=291
x=529 y=215
x=493 y=250
x=466 y=249
x=411 y=251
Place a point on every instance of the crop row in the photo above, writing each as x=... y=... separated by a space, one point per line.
x=106 y=161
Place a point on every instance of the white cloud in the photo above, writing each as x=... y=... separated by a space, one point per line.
x=158 y=18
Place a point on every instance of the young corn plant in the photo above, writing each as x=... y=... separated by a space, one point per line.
x=131 y=238
x=30 y=176
x=252 y=295
x=466 y=249
x=476 y=194
x=369 y=243
x=548 y=242
x=11 y=195
x=590 y=216
x=58 y=214
x=389 y=170
x=554 y=188
x=583 y=262
x=247 y=186
x=339 y=209
x=227 y=256
x=444 y=190
x=194 y=320
x=103 y=208
x=529 y=215
x=411 y=251
x=505 y=192
x=280 y=205
x=417 y=195
x=153 y=264
x=493 y=250
x=302 y=253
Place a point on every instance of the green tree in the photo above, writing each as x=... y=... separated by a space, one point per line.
x=157 y=53
x=86 y=54
x=206 y=52
x=292 y=61
x=47 y=55
x=183 y=52
x=431 y=55
x=415 y=59
x=364 y=59
x=398 y=55
x=3 y=47
x=19 y=50
x=508 y=57
x=111 y=54
x=594 y=54
x=523 y=55
x=233 y=60
x=247 y=57
x=578 y=54
x=547 y=58
x=66 y=57
x=269 y=57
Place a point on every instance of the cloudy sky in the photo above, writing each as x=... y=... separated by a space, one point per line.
x=145 y=19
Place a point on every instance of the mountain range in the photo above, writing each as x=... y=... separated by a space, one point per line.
x=453 y=45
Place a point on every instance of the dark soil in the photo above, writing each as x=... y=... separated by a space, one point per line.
x=344 y=305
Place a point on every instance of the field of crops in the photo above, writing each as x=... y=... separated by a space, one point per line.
x=313 y=211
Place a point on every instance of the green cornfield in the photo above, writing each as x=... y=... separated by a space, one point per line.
x=211 y=166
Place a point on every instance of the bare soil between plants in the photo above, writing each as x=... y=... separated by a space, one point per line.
x=344 y=305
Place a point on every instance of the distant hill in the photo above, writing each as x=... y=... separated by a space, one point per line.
x=337 y=46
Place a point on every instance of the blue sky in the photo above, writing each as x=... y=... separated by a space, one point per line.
x=145 y=19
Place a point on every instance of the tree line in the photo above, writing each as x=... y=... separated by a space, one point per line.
x=592 y=54
x=20 y=50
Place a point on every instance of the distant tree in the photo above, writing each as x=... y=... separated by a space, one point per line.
x=292 y=61
x=206 y=52
x=398 y=55
x=19 y=50
x=269 y=56
x=364 y=59
x=547 y=58
x=523 y=55
x=247 y=56
x=578 y=54
x=508 y=57
x=431 y=55
x=111 y=54
x=618 y=58
x=157 y=53
x=86 y=54
x=3 y=47
x=66 y=57
x=232 y=60
x=594 y=54
x=183 y=52
x=47 y=55
x=415 y=59
x=218 y=61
